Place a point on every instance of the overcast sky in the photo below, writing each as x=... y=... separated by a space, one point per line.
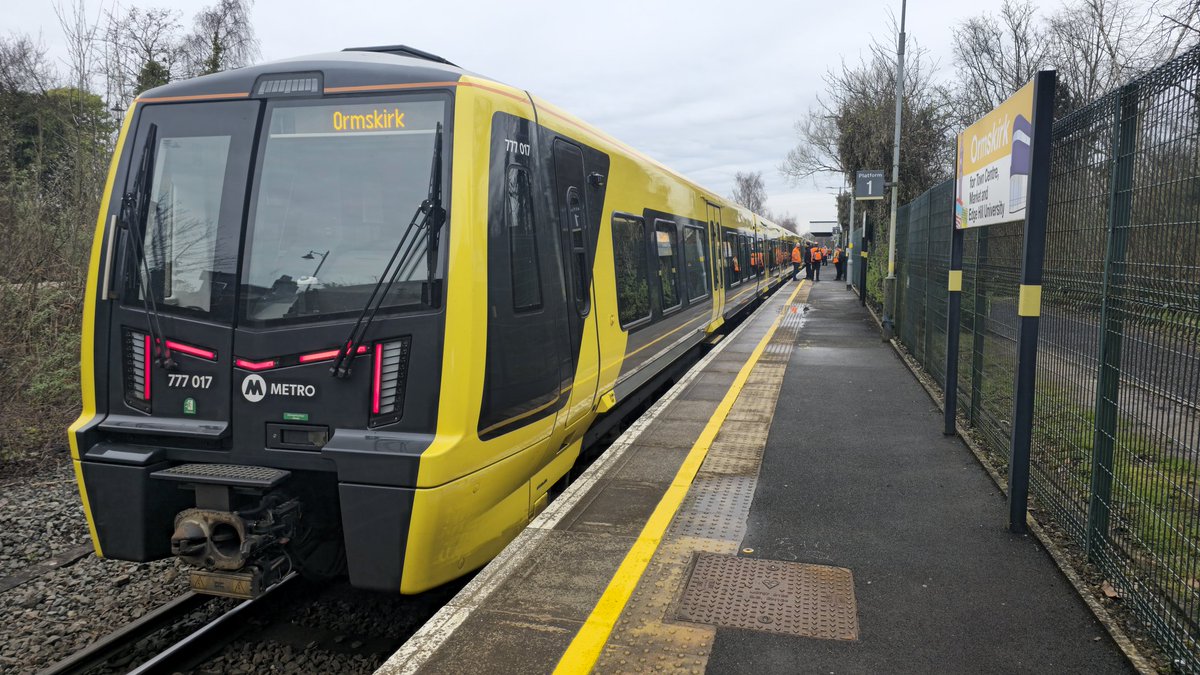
x=709 y=88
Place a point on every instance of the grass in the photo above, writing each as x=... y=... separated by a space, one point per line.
x=1154 y=503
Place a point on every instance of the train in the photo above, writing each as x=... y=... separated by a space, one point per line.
x=357 y=313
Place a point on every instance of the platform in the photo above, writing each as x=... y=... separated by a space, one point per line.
x=790 y=506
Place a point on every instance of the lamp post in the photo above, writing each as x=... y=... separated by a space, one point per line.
x=889 y=283
x=311 y=255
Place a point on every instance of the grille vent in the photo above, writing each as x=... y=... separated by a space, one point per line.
x=393 y=375
x=137 y=394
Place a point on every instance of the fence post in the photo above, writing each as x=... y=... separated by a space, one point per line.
x=1112 y=325
x=1029 y=304
x=862 y=275
x=953 y=325
x=978 y=326
x=925 y=363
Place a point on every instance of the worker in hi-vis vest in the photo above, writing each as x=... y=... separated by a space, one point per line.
x=816 y=263
x=797 y=261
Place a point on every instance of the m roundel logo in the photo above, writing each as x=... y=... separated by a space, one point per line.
x=254 y=388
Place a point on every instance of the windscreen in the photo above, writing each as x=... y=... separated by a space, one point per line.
x=195 y=189
x=337 y=190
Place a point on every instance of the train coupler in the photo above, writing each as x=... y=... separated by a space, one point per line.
x=239 y=530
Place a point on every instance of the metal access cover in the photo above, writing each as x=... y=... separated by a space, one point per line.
x=770 y=595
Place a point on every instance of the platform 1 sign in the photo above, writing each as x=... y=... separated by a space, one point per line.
x=868 y=185
x=994 y=162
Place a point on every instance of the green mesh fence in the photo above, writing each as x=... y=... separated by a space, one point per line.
x=1117 y=414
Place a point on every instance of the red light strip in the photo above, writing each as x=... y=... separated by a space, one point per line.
x=319 y=356
x=146 y=369
x=192 y=351
x=255 y=365
x=326 y=355
x=377 y=378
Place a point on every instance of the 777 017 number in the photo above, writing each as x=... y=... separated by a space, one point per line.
x=177 y=381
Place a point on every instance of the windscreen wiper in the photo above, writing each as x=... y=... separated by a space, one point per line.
x=135 y=207
x=429 y=218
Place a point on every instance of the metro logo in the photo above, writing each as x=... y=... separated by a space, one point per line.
x=368 y=121
x=254 y=388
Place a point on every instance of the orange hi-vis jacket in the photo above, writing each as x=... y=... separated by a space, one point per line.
x=816 y=253
x=837 y=255
x=797 y=256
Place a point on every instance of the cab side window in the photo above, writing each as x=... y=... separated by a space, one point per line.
x=522 y=243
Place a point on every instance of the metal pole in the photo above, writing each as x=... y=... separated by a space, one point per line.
x=889 y=284
x=1029 y=302
x=849 y=251
x=953 y=323
x=862 y=275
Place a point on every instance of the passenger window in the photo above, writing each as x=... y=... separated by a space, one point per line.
x=629 y=256
x=694 y=263
x=668 y=267
x=522 y=243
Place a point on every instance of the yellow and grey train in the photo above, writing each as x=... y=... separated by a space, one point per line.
x=358 y=312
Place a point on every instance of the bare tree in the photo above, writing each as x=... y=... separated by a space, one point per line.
x=997 y=55
x=749 y=191
x=23 y=65
x=788 y=222
x=1178 y=25
x=142 y=50
x=221 y=38
x=1096 y=45
x=851 y=126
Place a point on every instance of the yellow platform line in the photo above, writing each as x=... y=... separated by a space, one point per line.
x=585 y=648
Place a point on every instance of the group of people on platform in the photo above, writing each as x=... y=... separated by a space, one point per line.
x=811 y=257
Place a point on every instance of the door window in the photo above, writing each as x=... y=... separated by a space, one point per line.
x=668 y=267
x=695 y=272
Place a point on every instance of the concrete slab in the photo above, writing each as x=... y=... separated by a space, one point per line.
x=620 y=508
x=501 y=643
x=564 y=577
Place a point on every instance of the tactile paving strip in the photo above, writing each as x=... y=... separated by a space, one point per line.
x=775 y=596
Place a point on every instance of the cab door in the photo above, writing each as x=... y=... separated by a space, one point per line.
x=571 y=201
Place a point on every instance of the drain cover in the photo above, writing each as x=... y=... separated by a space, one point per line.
x=770 y=595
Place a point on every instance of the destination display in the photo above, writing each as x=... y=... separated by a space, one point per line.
x=384 y=117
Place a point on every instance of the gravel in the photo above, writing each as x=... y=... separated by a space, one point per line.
x=57 y=613
x=336 y=629
x=41 y=516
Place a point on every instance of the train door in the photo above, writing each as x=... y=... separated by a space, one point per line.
x=570 y=194
x=715 y=258
x=526 y=323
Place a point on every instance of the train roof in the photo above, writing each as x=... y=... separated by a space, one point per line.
x=356 y=67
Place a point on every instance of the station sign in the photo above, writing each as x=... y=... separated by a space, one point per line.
x=995 y=157
x=868 y=185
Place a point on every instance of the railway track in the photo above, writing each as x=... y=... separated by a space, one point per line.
x=104 y=654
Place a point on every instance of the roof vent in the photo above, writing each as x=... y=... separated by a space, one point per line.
x=402 y=50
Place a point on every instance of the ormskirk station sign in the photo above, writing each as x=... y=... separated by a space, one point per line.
x=1002 y=175
x=995 y=157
